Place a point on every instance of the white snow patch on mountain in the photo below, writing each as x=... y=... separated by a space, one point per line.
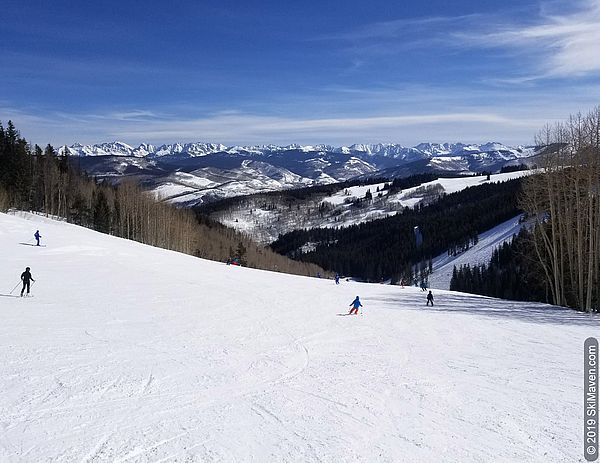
x=455 y=184
x=355 y=192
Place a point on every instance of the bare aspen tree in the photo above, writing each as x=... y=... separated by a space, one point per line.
x=4 y=200
x=564 y=200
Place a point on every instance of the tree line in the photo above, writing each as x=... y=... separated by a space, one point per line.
x=41 y=180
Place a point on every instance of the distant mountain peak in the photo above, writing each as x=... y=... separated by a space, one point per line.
x=387 y=150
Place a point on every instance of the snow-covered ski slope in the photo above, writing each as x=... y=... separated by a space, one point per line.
x=481 y=253
x=128 y=353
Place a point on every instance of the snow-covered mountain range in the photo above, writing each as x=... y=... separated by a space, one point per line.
x=389 y=150
x=195 y=173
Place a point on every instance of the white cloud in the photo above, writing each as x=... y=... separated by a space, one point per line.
x=241 y=128
x=548 y=44
x=337 y=115
x=396 y=28
x=560 y=45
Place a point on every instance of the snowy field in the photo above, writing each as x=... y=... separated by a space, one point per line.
x=355 y=192
x=452 y=185
x=128 y=353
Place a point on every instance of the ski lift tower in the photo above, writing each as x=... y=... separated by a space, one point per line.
x=418 y=236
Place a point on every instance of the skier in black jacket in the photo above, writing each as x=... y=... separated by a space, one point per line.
x=429 y=298
x=27 y=279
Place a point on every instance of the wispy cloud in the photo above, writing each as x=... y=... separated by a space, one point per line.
x=397 y=36
x=399 y=28
x=544 y=44
x=336 y=114
x=135 y=115
x=561 y=45
x=234 y=127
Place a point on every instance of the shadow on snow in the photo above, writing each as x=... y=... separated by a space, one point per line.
x=534 y=312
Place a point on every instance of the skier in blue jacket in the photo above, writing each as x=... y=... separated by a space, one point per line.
x=37 y=237
x=355 y=305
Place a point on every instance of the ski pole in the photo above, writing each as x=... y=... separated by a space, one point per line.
x=15 y=287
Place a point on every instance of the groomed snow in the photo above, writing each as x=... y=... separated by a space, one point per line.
x=128 y=353
x=481 y=253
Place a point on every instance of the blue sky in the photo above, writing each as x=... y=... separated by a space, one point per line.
x=259 y=72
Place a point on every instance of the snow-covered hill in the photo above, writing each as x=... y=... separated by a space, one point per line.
x=132 y=353
x=265 y=218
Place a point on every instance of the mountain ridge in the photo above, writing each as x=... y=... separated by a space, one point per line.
x=195 y=173
x=388 y=150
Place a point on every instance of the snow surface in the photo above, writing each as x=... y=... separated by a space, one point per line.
x=481 y=253
x=355 y=192
x=455 y=184
x=128 y=353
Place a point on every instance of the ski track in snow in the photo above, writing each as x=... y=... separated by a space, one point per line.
x=129 y=353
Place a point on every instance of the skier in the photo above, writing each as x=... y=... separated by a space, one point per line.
x=26 y=278
x=355 y=304
x=337 y=278
x=423 y=286
x=37 y=237
x=430 y=298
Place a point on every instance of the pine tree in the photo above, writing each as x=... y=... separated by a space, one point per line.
x=101 y=213
x=241 y=253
